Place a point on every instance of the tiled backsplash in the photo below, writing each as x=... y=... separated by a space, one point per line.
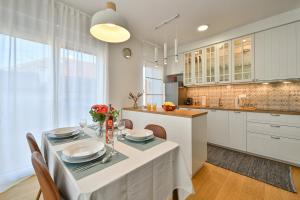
x=274 y=96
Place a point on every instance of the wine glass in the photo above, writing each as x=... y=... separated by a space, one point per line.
x=111 y=140
x=82 y=124
x=121 y=127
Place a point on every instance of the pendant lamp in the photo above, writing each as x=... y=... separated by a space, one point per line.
x=108 y=25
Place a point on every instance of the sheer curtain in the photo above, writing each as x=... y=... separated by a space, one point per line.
x=51 y=72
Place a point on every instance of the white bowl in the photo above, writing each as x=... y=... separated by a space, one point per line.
x=83 y=149
x=63 y=132
x=139 y=133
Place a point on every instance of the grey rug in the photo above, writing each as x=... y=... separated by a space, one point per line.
x=271 y=172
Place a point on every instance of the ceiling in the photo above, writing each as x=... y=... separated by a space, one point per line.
x=221 y=15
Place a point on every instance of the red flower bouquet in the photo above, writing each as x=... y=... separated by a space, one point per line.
x=98 y=113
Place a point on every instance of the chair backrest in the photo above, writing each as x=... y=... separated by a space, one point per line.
x=158 y=131
x=128 y=123
x=48 y=187
x=32 y=143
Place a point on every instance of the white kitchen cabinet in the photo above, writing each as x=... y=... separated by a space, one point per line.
x=279 y=148
x=188 y=69
x=274 y=135
x=217 y=127
x=237 y=130
x=276 y=53
x=210 y=64
x=199 y=66
x=242 y=59
x=223 y=62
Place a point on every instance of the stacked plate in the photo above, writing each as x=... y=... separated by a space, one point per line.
x=139 y=135
x=83 y=152
x=62 y=133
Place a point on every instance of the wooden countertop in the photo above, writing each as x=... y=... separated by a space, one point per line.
x=178 y=113
x=284 y=112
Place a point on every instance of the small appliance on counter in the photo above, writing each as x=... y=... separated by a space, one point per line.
x=188 y=101
x=203 y=101
x=240 y=100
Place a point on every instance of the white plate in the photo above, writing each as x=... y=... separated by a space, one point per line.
x=76 y=161
x=62 y=132
x=51 y=135
x=83 y=149
x=139 y=140
x=138 y=134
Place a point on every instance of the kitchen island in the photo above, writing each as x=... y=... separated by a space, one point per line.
x=185 y=127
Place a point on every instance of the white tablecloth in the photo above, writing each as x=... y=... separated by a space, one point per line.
x=145 y=175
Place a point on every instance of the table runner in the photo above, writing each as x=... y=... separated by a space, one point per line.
x=92 y=168
x=142 y=146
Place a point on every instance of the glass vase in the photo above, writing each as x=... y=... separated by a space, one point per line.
x=100 y=129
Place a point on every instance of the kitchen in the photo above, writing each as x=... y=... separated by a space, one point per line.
x=199 y=101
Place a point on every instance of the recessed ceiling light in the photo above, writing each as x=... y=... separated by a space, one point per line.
x=202 y=28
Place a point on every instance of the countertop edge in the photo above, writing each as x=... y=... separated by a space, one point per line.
x=242 y=110
x=168 y=113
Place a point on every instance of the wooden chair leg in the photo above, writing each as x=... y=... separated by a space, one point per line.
x=175 y=194
x=38 y=194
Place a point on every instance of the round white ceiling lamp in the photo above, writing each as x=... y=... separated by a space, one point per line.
x=108 y=25
x=202 y=28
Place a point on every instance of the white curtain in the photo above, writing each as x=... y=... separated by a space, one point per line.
x=51 y=72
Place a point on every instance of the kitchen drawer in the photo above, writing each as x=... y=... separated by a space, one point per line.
x=274 y=129
x=291 y=120
x=279 y=148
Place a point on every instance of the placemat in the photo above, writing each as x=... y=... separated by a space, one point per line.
x=85 y=169
x=54 y=141
x=142 y=146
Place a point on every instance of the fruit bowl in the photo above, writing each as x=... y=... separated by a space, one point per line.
x=168 y=107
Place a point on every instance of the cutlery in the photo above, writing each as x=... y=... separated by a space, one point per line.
x=89 y=165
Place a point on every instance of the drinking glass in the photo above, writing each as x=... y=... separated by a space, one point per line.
x=82 y=124
x=154 y=106
x=148 y=106
x=111 y=141
x=121 y=127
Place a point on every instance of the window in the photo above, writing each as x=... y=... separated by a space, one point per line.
x=154 y=87
x=77 y=85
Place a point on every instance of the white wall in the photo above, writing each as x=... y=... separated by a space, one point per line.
x=126 y=75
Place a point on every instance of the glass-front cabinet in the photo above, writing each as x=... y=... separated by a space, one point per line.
x=242 y=59
x=224 y=62
x=199 y=65
x=188 y=72
x=210 y=64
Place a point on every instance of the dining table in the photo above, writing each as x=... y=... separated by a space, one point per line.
x=138 y=171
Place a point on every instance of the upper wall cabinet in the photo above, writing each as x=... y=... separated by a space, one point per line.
x=210 y=64
x=188 y=69
x=242 y=59
x=224 y=62
x=175 y=67
x=277 y=53
x=199 y=66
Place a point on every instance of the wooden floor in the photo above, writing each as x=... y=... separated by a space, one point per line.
x=211 y=183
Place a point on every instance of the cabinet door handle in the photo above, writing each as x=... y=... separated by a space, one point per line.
x=237 y=112
x=276 y=138
x=275 y=126
x=276 y=115
x=213 y=110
